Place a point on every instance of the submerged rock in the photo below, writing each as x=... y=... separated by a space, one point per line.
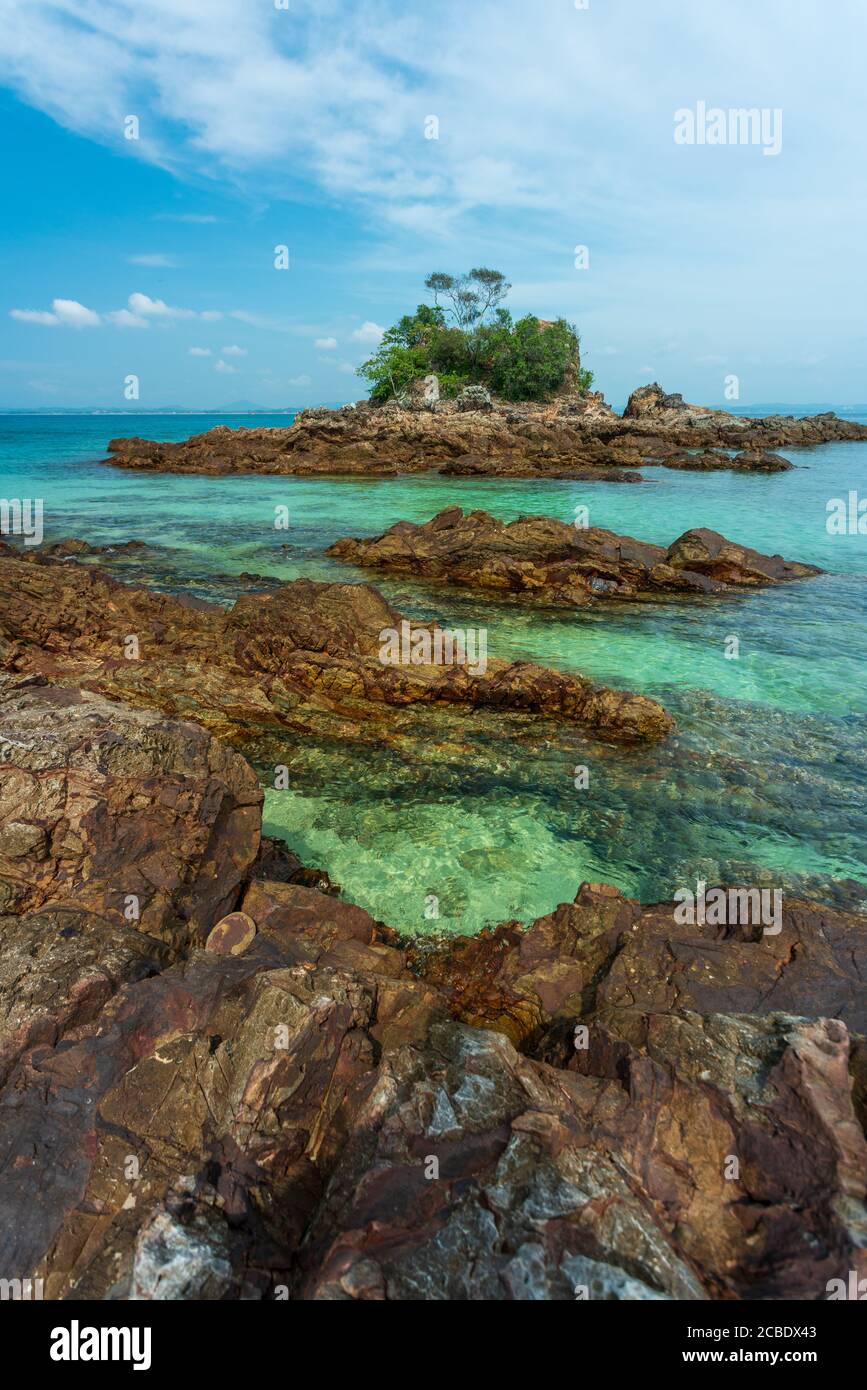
x=546 y=561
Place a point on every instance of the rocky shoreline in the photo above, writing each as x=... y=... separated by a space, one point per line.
x=542 y=560
x=220 y=1079
x=577 y=438
x=608 y=1104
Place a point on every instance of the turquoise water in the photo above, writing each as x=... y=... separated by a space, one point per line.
x=763 y=783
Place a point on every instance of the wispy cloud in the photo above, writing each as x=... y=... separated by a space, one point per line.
x=154 y=260
x=344 y=95
x=195 y=218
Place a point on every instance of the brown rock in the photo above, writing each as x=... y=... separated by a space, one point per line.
x=143 y=821
x=540 y=560
x=307 y=657
x=231 y=935
x=569 y=437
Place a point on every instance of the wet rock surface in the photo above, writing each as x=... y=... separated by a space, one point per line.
x=308 y=657
x=544 y=560
x=609 y=1104
x=568 y=438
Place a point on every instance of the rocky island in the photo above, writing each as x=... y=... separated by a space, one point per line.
x=569 y=437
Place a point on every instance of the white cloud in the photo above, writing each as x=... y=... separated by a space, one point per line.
x=125 y=319
x=225 y=368
x=346 y=367
x=75 y=314
x=143 y=305
x=154 y=260
x=341 y=94
x=302 y=380
x=42 y=316
x=199 y=352
x=368 y=333
x=325 y=344
x=63 y=311
x=142 y=311
x=234 y=351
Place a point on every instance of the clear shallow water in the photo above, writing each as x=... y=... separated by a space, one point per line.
x=764 y=782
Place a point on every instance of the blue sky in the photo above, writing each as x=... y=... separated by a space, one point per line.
x=305 y=127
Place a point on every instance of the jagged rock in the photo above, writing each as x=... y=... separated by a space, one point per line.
x=137 y=819
x=315 y=1117
x=307 y=657
x=607 y=955
x=566 y=438
x=547 y=561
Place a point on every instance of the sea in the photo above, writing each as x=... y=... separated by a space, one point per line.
x=764 y=783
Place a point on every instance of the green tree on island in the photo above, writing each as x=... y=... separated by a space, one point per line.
x=470 y=338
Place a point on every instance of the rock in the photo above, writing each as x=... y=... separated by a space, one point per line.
x=177 y=1259
x=707 y=460
x=569 y=437
x=140 y=820
x=540 y=560
x=474 y=398
x=328 y=1115
x=549 y=1181
x=607 y=955
x=307 y=657
x=232 y=935
x=58 y=970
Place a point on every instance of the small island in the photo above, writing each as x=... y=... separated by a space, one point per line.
x=461 y=388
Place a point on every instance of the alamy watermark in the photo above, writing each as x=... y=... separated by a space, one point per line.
x=734 y=125
x=846 y=516
x=22 y=516
x=720 y=907
x=423 y=646
x=21 y=1290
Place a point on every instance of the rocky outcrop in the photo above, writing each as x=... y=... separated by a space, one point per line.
x=307 y=657
x=571 y=437
x=608 y=956
x=713 y=460
x=546 y=561
x=607 y=1105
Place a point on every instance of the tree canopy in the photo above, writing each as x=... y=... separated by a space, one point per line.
x=468 y=337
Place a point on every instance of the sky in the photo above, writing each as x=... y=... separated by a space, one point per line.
x=378 y=140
